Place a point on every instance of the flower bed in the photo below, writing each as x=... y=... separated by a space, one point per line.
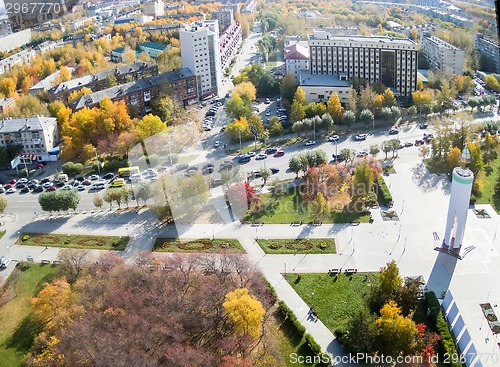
x=295 y=245
x=74 y=241
x=199 y=245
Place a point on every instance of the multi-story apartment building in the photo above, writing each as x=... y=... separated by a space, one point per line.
x=99 y=81
x=7 y=104
x=229 y=41
x=391 y=61
x=47 y=83
x=15 y=40
x=36 y=135
x=154 y=8
x=224 y=17
x=488 y=48
x=20 y=58
x=201 y=54
x=235 y=8
x=139 y=94
x=441 y=55
x=296 y=59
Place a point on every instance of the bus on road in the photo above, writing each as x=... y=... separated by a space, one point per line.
x=127 y=171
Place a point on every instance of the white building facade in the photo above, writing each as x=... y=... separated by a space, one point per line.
x=36 y=135
x=200 y=53
x=154 y=8
x=391 y=61
x=296 y=59
x=489 y=48
x=443 y=56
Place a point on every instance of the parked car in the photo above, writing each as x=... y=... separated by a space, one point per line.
x=13 y=181
x=279 y=153
x=268 y=101
x=360 y=137
x=271 y=150
x=333 y=138
x=419 y=142
x=47 y=184
x=207 y=170
x=46 y=179
x=67 y=187
x=244 y=158
x=80 y=188
x=39 y=165
x=423 y=125
x=61 y=184
x=20 y=185
x=80 y=178
x=22 y=180
x=10 y=191
x=108 y=176
x=261 y=156
x=362 y=153
x=408 y=144
x=309 y=143
x=2 y=190
x=51 y=188
x=93 y=177
x=181 y=167
x=393 y=131
x=274 y=170
x=97 y=186
x=217 y=144
x=38 y=189
x=25 y=190
x=8 y=186
x=4 y=262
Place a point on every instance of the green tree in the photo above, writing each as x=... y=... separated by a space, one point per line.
x=275 y=126
x=352 y=101
x=294 y=165
x=362 y=181
x=361 y=332
x=388 y=286
x=72 y=169
x=492 y=83
x=98 y=201
x=453 y=158
x=108 y=198
x=386 y=114
x=265 y=173
x=374 y=149
x=298 y=111
x=235 y=106
x=3 y=204
x=366 y=117
x=126 y=193
x=366 y=98
x=349 y=118
x=334 y=107
x=327 y=121
x=142 y=191
x=288 y=88
x=476 y=158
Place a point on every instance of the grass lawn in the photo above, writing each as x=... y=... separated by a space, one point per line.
x=17 y=332
x=2 y=233
x=186 y=158
x=298 y=246
x=335 y=299
x=490 y=179
x=200 y=245
x=74 y=241
x=289 y=208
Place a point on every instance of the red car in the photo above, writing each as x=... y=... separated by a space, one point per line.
x=8 y=186
x=279 y=153
x=39 y=166
x=51 y=188
x=13 y=181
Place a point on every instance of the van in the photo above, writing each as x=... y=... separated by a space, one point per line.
x=119 y=182
x=62 y=177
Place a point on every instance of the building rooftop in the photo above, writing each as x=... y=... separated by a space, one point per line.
x=87 y=79
x=48 y=81
x=440 y=42
x=322 y=35
x=327 y=80
x=36 y=123
x=178 y=74
x=4 y=101
x=297 y=52
x=153 y=45
x=127 y=88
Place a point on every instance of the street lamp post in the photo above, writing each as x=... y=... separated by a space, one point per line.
x=312 y=302
x=336 y=153
x=98 y=163
x=314 y=128
x=373 y=122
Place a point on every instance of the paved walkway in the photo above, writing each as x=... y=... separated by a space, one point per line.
x=367 y=247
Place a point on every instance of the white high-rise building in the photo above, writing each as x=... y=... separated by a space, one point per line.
x=200 y=53
x=155 y=8
x=392 y=61
x=443 y=56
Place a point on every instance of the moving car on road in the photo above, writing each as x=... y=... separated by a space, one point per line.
x=360 y=137
x=333 y=138
x=309 y=143
x=261 y=156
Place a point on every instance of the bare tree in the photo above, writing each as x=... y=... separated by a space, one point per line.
x=72 y=263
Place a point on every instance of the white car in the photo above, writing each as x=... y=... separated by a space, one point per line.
x=268 y=100
x=67 y=187
x=333 y=138
x=309 y=143
x=22 y=180
x=93 y=177
x=261 y=156
x=4 y=262
x=360 y=137
x=362 y=153
x=217 y=144
x=10 y=191
x=47 y=184
x=268 y=112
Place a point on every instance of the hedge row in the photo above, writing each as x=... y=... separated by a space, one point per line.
x=437 y=318
x=301 y=330
x=383 y=192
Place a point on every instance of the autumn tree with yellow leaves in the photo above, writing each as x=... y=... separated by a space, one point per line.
x=245 y=311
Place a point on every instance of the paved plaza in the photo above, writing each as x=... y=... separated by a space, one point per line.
x=421 y=202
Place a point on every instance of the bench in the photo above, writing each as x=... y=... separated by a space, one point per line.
x=317 y=223
x=351 y=271
x=45 y=262
x=334 y=271
x=256 y=223
x=56 y=262
x=296 y=223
